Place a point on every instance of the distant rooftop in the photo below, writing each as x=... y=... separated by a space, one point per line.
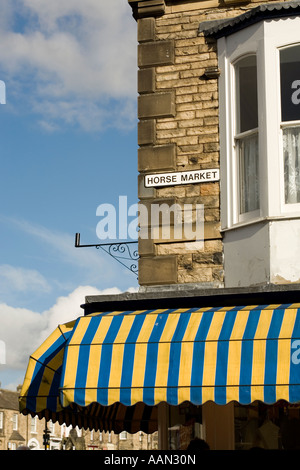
x=9 y=400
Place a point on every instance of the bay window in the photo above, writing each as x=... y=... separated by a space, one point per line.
x=246 y=136
x=259 y=116
x=290 y=121
x=260 y=122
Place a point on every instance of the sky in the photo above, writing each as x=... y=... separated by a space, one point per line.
x=68 y=144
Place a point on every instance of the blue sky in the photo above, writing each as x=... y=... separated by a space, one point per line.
x=68 y=143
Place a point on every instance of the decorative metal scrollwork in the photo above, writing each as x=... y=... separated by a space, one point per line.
x=123 y=252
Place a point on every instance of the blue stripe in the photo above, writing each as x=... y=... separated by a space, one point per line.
x=39 y=370
x=151 y=359
x=128 y=359
x=54 y=391
x=222 y=357
x=69 y=336
x=34 y=386
x=198 y=357
x=247 y=357
x=174 y=359
x=105 y=362
x=270 y=378
x=294 y=391
x=83 y=361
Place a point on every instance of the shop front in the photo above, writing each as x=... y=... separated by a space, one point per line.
x=227 y=374
x=236 y=427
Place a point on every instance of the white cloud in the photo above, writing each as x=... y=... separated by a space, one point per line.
x=23 y=330
x=58 y=267
x=20 y=330
x=62 y=247
x=68 y=308
x=21 y=279
x=74 y=58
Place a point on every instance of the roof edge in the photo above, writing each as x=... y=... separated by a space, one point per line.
x=188 y=296
x=225 y=27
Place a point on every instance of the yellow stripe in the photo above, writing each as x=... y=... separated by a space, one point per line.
x=140 y=358
x=284 y=354
x=94 y=360
x=193 y=326
x=259 y=355
x=92 y=374
x=210 y=356
x=163 y=358
x=71 y=366
x=115 y=374
x=163 y=362
x=66 y=327
x=186 y=359
x=48 y=374
x=70 y=375
x=185 y=372
x=47 y=344
x=80 y=331
x=27 y=380
x=117 y=359
x=234 y=355
x=44 y=389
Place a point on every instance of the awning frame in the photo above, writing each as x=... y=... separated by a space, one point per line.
x=74 y=413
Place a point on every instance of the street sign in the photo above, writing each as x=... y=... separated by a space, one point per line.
x=182 y=177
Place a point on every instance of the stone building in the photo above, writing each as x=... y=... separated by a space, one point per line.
x=209 y=346
x=17 y=430
x=187 y=109
x=12 y=428
x=178 y=131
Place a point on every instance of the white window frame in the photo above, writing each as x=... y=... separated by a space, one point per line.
x=33 y=425
x=51 y=426
x=238 y=137
x=290 y=207
x=15 y=422
x=264 y=39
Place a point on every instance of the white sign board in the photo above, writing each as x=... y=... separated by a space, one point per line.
x=183 y=177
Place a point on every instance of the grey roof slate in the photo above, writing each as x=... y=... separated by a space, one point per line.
x=224 y=27
x=9 y=400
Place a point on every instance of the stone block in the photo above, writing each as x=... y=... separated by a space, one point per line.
x=146 y=29
x=158 y=270
x=157 y=158
x=146 y=247
x=212 y=230
x=156 y=105
x=202 y=275
x=146 y=80
x=144 y=192
x=146 y=132
x=156 y=213
x=147 y=8
x=156 y=53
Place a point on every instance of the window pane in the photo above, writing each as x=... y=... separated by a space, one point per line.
x=291 y=154
x=246 y=74
x=15 y=422
x=290 y=83
x=33 y=424
x=249 y=178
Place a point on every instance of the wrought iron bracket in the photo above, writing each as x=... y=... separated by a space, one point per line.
x=120 y=251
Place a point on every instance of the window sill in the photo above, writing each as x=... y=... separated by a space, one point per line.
x=259 y=220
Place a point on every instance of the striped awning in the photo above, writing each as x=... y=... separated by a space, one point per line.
x=40 y=390
x=141 y=358
x=40 y=394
